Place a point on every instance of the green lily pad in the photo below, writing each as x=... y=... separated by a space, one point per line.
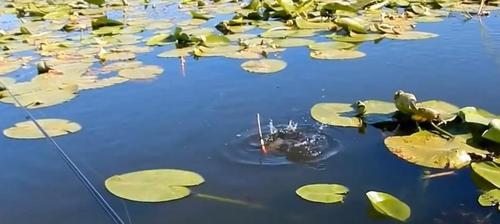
x=245 y=54
x=158 y=185
x=389 y=205
x=430 y=150
x=428 y=19
x=490 y=198
x=8 y=67
x=292 y=42
x=323 y=193
x=53 y=127
x=493 y=133
x=35 y=95
x=490 y=171
x=216 y=51
x=213 y=40
x=144 y=72
x=334 y=54
x=336 y=114
x=305 y=24
x=264 y=65
x=378 y=111
x=320 y=46
x=352 y=24
x=117 y=56
x=358 y=38
x=410 y=35
x=476 y=116
x=158 y=40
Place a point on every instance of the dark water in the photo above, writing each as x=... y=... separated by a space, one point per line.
x=186 y=122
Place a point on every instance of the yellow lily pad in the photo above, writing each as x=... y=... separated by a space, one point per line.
x=389 y=205
x=158 y=185
x=264 y=65
x=336 y=114
x=53 y=127
x=323 y=193
x=430 y=150
x=144 y=72
x=410 y=35
x=334 y=54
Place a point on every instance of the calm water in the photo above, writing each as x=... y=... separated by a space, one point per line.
x=187 y=121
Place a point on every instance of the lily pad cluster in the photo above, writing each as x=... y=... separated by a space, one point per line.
x=430 y=142
x=383 y=203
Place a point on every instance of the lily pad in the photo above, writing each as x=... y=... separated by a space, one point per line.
x=323 y=193
x=53 y=127
x=334 y=54
x=476 y=116
x=216 y=51
x=490 y=198
x=410 y=35
x=430 y=150
x=158 y=185
x=336 y=114
x=34 y=95
x=389 y=205
x=493 y=133
x=293 y=42
x=144 y=72
x=358 y=38
x=320 y=46
x=264 y=65
x=490 y=171
x=378 y=111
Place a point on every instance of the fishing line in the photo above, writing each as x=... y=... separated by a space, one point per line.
x=86 y=182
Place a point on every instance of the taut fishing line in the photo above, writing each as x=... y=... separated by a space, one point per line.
x=81 y=176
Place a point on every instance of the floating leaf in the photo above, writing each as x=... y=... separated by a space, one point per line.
x=212 y=40
x=378 y=111
x=493 y=133
x=490 y=198
x=476 y=115
x=158 y=185
x=53 y=127
x=159 y=40
x=334 y=54
x=356 y=38
x=117 y=56
x=104 y=21
x=144 y=72
x=96 y=2
x=410 y=35
x=293 y=42
x=330 y=45
x=430 y=150
x=216 y=51
x=264 y=65
x=323 y=193
x=389 y=205
x=337 y=114
x=245 y=54
x=352 y=24
x=304 y=24
x=490 y=171
x=34 y=95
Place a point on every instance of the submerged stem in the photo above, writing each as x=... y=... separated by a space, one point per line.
x=229 y=200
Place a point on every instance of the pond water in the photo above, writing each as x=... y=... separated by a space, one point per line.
x=188 y=120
